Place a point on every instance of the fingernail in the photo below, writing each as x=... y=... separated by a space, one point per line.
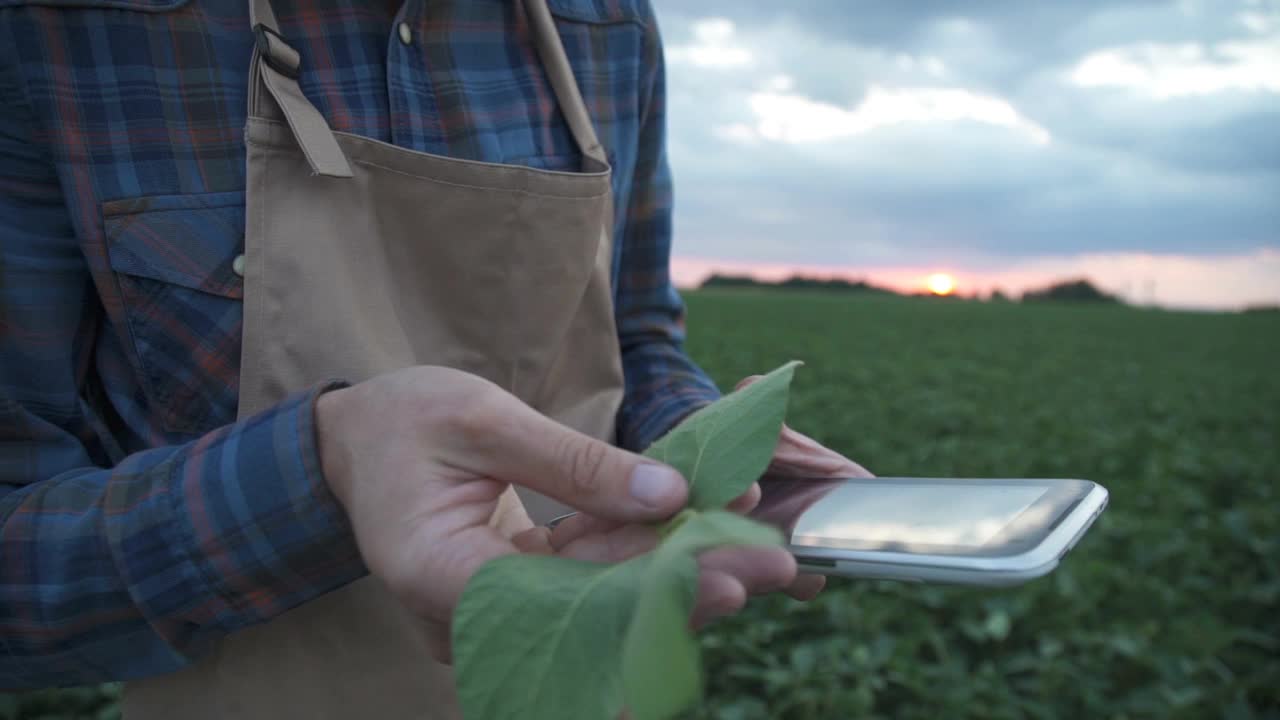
x=656 y=486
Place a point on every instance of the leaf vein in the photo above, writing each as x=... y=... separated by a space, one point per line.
x=558 y=635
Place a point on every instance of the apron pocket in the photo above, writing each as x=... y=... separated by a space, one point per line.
x=560 y=163
x=174 y=258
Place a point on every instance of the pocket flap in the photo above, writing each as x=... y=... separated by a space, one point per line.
x=187 y=240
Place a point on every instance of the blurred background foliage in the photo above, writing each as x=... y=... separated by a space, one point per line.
x=1167 y=608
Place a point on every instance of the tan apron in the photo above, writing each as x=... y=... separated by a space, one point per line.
x=360 y=258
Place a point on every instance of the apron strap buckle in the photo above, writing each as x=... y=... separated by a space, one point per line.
x=278 y=55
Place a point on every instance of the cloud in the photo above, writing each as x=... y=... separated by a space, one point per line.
x=881 y=134
x=1169 y=71
x=793 y=118
x=712 y=47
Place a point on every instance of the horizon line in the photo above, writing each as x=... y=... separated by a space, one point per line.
x=1226 y=282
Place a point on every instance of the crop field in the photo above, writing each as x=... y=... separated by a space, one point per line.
x=1170 y=607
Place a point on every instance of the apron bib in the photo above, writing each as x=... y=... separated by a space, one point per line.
x=360 y=258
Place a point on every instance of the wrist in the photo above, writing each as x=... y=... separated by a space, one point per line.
x=335 y=458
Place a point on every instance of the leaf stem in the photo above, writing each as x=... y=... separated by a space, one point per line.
x=672 y=525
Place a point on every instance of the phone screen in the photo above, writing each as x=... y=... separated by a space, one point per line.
x=903 y=514
x=915 y=514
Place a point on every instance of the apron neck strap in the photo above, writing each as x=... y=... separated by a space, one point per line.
x=556 y=64
x=260 y=13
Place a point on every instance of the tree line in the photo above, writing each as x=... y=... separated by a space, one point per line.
x=1075 y=290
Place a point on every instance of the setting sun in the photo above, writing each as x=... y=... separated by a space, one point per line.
x=941 y=284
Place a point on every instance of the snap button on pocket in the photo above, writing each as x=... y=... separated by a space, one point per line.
x=406 y=35
x=237 y=265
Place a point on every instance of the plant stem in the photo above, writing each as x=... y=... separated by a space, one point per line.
x=670 y=526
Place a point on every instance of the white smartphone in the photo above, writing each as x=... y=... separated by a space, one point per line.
x=943 y=530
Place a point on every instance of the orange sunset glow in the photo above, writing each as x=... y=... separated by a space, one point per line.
x=1227 y=282
x=940 y=284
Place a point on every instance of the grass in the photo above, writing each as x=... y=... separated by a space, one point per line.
x=1168 y=608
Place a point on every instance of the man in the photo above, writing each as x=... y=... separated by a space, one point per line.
x=275 y=344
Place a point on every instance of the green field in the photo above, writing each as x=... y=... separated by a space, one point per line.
x=1170 y=607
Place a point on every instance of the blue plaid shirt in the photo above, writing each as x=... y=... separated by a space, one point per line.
x=128 y=491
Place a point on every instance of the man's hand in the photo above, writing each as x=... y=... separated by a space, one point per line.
x=727 y=577
x=798 y=455
x=801 y=456
x=419 y=458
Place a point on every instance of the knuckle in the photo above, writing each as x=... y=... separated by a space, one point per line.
x=474 y=419
x=584 y=462
x=469 y=421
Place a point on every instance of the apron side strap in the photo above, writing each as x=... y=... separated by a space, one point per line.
x=560 y=73
x=309 y=127
x=277 y=64
x=275 y=52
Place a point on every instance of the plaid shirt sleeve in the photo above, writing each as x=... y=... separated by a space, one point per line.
x=663 y=384
x=109 y=574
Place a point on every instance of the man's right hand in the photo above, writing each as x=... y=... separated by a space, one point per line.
x=419 y=457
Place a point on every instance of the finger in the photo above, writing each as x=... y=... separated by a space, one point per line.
x=798 y=454
x=576 y=526
x=758 y=569
x=823 y=461
x=747 y=501
x=806 y=586
x=802 y=463
x=794 y=437
x=621 y=543
x=534 y=541
x=856 y=470
x=818 y=468
x=510 y=441
x=719 y=594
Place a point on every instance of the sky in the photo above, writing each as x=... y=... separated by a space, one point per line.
x=1009 y=143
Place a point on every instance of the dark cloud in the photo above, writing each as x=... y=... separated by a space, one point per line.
x=1247 y=145
x=1045 y=31
x=895 y=24
x=1127 y=169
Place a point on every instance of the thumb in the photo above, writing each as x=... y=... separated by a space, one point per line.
x=533 y=451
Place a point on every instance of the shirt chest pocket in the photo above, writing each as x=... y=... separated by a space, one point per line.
x=175 y=259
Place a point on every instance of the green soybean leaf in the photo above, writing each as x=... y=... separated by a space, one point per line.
x=713 y=528
x=541 y=637
x=727 y=445
x=661 y=668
